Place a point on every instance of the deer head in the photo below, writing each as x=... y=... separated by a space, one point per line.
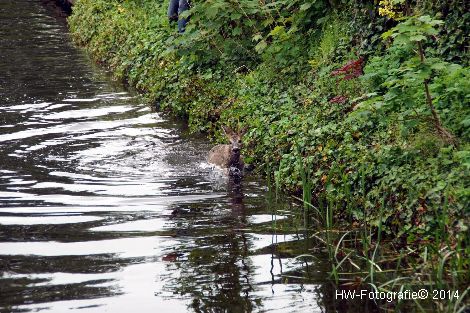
x=235 y=138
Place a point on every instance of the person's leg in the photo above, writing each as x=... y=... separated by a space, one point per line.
x=183 y=6
x=173 y=10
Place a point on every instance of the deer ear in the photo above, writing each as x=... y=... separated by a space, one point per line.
x=243 y=131
x=227 y=131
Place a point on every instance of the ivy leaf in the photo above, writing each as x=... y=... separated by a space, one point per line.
x=466 y=122
x=212 y=11
x=305 y=6
x=257 y=37
x=267 y=22
x=293 y=29
x=236 y=31
x=235 y=16
x=261 y=46
x=277 y=30
x=207 y=76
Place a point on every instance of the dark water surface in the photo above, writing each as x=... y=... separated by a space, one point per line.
x=106 y=206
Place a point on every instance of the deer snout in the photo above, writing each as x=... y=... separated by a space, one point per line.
x=235 y=148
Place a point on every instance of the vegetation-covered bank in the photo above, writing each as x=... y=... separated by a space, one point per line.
x=360 y=106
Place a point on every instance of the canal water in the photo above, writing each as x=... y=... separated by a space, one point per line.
x=108 y=206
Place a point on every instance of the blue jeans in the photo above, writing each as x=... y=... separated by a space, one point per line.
x=175 y=8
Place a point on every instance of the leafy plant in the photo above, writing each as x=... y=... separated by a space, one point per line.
x=414 y=32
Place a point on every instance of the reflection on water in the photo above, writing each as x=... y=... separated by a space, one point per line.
x=108 y=206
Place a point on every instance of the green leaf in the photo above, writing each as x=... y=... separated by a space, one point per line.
x=267 y=22
x=439 y=66
x=277 y=30
x=305 y=6
x=235 y=16
x=417 y=38
x=257 y=37
x=466 y=122
x=261 y=46
x=212 y=11
x=387 y=34
x=236 y=31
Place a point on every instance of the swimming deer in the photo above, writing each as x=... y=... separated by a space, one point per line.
x=228 y=156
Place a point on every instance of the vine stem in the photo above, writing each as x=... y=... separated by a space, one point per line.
x=445 y=134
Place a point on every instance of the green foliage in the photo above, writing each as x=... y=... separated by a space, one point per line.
x=221 y=31
x=401 y=78
x=454 y=33
x=327 y=48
